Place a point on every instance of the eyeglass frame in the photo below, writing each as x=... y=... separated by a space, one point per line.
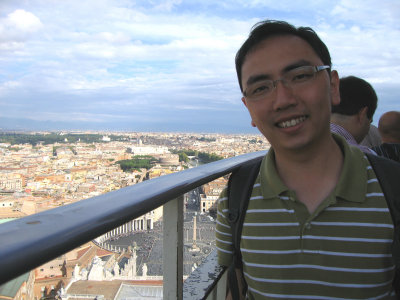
x=284 y=81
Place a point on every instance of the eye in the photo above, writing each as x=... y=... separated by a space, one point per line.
x=300 y=74
x=303 y=76
x=261 y=88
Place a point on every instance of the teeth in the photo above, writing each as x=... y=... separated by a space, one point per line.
x=291 y=123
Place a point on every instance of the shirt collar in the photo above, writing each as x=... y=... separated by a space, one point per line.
x=349 y=138
x=335 y=128
x=352 y=184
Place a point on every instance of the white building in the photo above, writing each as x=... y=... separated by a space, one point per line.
x=149 y=150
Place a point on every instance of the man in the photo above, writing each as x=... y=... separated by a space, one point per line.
x=352 y=117
x=317 y=225
x=389 y=129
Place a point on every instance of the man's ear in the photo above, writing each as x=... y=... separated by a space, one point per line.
x=245 y=104
x=362 y=114
x=335 y=94
x=244 y=101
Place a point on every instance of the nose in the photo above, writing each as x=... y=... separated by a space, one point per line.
x=284 y=96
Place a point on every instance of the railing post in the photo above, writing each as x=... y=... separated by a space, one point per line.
x=173 y=249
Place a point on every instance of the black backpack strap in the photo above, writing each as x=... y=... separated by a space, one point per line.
x=388 y=173
x=240 y=187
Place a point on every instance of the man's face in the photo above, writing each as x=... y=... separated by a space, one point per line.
x=290 y=120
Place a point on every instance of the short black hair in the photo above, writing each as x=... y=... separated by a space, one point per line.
x=355 y=94
x=268 y=28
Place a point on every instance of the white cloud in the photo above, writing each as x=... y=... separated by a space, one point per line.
x=18 y=25
x=24 y=21
x=176 y=53
x=114 y=38
x=166 y=5
x=368 y=12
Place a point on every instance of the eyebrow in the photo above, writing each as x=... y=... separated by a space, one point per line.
x=256 y=78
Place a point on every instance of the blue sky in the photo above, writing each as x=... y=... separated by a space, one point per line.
x=168 y=65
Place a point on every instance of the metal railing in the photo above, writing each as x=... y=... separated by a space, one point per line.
x=31 y=241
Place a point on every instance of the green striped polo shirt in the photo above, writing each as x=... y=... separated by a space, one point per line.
x=340 y=251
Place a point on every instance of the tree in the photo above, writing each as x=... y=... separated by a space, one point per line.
x=136 y=163
x=183 y=157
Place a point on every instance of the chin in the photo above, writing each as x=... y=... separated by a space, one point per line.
x=299 y=145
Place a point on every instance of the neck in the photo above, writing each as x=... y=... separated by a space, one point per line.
x=322 y=150
x=311 y=173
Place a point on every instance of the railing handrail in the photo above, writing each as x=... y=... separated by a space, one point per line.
x=31 y=241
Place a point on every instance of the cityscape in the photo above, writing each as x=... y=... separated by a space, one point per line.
x=45 y=170
x=100 y=98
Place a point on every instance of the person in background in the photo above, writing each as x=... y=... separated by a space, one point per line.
x=373 y=137
x=389 y=129
x=317 y=225
x=352 y=117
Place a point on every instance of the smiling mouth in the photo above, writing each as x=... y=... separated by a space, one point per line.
x=292 y=122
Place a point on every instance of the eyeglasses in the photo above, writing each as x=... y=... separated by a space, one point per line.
x=292 y=79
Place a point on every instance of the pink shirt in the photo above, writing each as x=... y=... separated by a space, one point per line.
x=349 y=138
